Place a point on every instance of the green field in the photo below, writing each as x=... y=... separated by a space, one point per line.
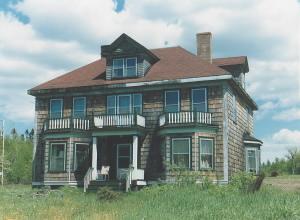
x=165 y=202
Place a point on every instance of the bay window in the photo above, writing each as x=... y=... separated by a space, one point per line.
x=124 y=104
x=79 y=107
x=252 y=160
x=172 y=102
x=56 y=108
x=206 y=153
x=181 y=152
x=199 y=100
x=57 y=157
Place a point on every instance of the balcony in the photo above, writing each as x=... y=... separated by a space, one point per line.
x=57 y=124
x=119 y=121
x=185 y=118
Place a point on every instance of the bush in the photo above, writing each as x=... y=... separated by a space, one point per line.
x=242 y=181
x=274 y=174
x=107 y=194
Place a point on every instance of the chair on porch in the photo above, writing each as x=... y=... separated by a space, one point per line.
x=104 y=173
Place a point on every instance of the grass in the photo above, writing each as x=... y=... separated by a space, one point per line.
x=164 y=202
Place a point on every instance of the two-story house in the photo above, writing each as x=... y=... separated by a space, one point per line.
x=150 y=110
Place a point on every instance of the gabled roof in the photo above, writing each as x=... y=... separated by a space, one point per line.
x=248 y=139
x=174 y=63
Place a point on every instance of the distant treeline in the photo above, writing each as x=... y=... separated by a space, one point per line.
x=18 y=156
x=288 y=165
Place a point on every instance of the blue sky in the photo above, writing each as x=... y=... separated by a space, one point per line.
x=43 y=39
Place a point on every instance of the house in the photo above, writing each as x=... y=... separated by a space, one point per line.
x=150 y=110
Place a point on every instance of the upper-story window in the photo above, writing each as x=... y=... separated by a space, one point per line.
x=56 y=108
x=124 y=67
x=199 y=100
x=172 y=101
x=124 y=104
x=79 y=107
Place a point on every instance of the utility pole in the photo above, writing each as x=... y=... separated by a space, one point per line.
x=2 y=166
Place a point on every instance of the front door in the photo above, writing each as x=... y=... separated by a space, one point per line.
x=123 y=160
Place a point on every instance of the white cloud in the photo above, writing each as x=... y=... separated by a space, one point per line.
x=288 y=115
x=277 y=144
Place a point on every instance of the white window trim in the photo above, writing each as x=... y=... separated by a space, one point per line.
x=79 y=97
x=205 y=92
x=74 y=152
x=61 y=108
x=178 y=99
x=118 y=106
x=50 y=153
x=130 y=154
x=189 y=167
x=124 y=68
x=213 y=153
x=257 y=159
x=134 y=104
x=115 y=107
x=116 y=97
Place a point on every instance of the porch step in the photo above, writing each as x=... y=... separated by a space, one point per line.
x=96 y=184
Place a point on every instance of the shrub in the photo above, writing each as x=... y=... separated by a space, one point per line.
x=274 y=173
x=107 y=194
x=255 y=186
x=242 y=181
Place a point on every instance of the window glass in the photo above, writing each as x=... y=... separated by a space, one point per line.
x=251 y=158
x=131 y=67
x=123 y=155
x=199 y=101
x=56 y=108
x=111 y=105
x=124 y=104
x=206 y=153
x=181 y=152
x=81 y=155
x=79 y=106
x=118 y=67
x=172 y=101
x=137 y=103
x=57 y=157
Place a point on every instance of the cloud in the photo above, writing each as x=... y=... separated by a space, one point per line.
x=277 y=144
x=288 y=115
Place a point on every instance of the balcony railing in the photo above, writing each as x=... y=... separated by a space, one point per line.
x=172 y=118
x=123 y=120
x=67 y=123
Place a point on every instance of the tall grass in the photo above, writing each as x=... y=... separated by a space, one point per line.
x=159 y=202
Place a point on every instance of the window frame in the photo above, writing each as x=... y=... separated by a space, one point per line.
x=124 y=67
x=132 y=106
x=74 y=152
x=172 y=151
x=257 y=159
x=212 y=154
x=178 y=98
x=50 y=154
x=192 y=98
x=79 y=97
x=61 y=108
x=118 y=105
x=130 y=154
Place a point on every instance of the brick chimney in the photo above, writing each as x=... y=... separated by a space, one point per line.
x=204 y=46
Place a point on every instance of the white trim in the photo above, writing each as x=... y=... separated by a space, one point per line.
x=225 y=138
x=126 y=75
x=252 y=142
x=124 y=68
x=212 y=154
x=61 y=109
x=178 y=99
x=186 y=138
x=257 y=158
x=192 y=98
x=49 y=156
x=186 y=80
x=118 y=104
x=113 y=73
x=79 y=97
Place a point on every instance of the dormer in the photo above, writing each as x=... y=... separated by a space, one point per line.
x=126 y=58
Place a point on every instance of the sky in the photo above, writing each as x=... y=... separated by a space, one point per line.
x=40 y=40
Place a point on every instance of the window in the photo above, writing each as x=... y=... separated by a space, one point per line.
x=81 y=154
x=252 y=160
x=79 y=107
x=234 y=110
x=181 y=152
x=125 y=67
x=124 y=155
x=56 y=106
x=172 y=101
x=57 y=157
x=124 y=104
x=206 y=153
x=199 y=100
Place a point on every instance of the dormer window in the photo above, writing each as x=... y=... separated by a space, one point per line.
x=124 y=67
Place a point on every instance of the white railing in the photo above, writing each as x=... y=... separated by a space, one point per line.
x=185 y=118
x=67 y=123
x=87 y=179
x=119 y=120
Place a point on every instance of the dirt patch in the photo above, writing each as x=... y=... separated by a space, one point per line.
x=289 y=183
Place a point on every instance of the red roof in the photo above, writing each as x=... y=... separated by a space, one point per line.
x=227 y=61
x=174 y=63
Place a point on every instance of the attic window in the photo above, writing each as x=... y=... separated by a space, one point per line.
x=124 y=67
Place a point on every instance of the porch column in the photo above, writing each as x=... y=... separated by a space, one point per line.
x=134 y=152
x=94 y=158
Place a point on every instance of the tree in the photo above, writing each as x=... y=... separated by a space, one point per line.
x=292 y=157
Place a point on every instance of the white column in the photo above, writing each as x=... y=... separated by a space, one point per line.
x=134 y=152
x=94 y=158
